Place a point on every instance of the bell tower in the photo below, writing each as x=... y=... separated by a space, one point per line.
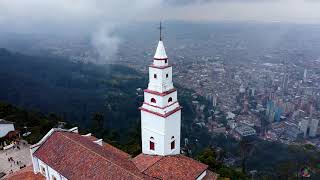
x=160 y=112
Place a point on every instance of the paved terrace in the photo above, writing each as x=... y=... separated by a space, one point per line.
x=22 y=155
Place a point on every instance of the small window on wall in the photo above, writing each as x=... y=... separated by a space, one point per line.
x=43 y=170
x=151 y=144
x=170 y=99
x=167 y=75
x=173 y=144
x=153 y=100
x=54 y=178
x=155 y=76
x=166 y=61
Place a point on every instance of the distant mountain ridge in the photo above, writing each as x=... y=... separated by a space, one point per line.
x=4 y=52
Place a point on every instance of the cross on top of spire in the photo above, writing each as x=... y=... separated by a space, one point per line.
x=160 y=28
x=160 y=52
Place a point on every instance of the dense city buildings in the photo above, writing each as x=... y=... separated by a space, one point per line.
x=273 y=91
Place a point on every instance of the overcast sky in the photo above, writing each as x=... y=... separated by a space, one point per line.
x=100 y=17
x=38 y=12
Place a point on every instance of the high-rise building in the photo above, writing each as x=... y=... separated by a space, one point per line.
x=313 y=125
x=242 y=89
x=214 y=100
x=305 y=77
x=303 y=126
x=309 y=127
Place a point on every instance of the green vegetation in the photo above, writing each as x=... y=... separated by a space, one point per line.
x=214 y=160
x=73 y=91
x=35 y=122
x=103 y=100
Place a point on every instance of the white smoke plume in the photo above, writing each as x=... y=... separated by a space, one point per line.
x=105 y=43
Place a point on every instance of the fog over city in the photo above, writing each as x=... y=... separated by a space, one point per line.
x=100 y=19
x=36 y=14
x=160 y=89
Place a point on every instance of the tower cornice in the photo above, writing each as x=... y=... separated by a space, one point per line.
x=161 y=115
x=160 y=67
x=160 y=59
x=160 y=94
x=159 y=106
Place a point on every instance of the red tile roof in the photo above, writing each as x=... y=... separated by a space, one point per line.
x=91 y=138
x=76 y=157
x=169 y=167
x=25 y=174
x=144 y=161
x=109 y=147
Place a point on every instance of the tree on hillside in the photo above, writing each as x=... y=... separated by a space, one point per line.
x=97 y=124
x=212 y=158
x=246 y=149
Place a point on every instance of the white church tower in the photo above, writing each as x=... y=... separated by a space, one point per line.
x=160 y=112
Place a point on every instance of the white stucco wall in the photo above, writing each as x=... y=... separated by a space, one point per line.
x=5 y=128
x=49 y=172
x=202 y=175
x=161 y=129
x=161 y=83
x=162 y=101
x=157 y=62
x=173 y=128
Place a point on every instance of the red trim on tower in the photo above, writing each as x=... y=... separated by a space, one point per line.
x=162 y=115
x=159 y=106
x=160 y=58
x=160 y=94
x=160 y=67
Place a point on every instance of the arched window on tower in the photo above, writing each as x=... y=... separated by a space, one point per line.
x=151 y=144
x=173 y=143
x=170 y=99
x=155 y=76
x=167 y=75
x=153 y=100
x=166 y=61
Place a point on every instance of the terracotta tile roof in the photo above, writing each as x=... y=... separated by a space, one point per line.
x=109 y=147
x=25 y=174
x=169 y=167
x=77 y=157
x=91 y=138
x=115 y=150
x=144 y=161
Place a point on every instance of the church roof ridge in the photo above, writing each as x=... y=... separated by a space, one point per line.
x=77 y=141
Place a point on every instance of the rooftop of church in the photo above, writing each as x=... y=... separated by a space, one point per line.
x=78 y=156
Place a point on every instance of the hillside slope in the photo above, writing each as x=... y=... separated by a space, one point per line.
x=73 y=90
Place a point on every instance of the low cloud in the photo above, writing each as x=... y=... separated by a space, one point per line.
x=91 y=16
x=97 y=18
x=105 y=43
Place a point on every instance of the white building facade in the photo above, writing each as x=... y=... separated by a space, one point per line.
x=41 y=167
x=5 y=127
x=160 y=112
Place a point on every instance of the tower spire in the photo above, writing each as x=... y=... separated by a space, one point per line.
x=160 y=52
x=160 y=28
